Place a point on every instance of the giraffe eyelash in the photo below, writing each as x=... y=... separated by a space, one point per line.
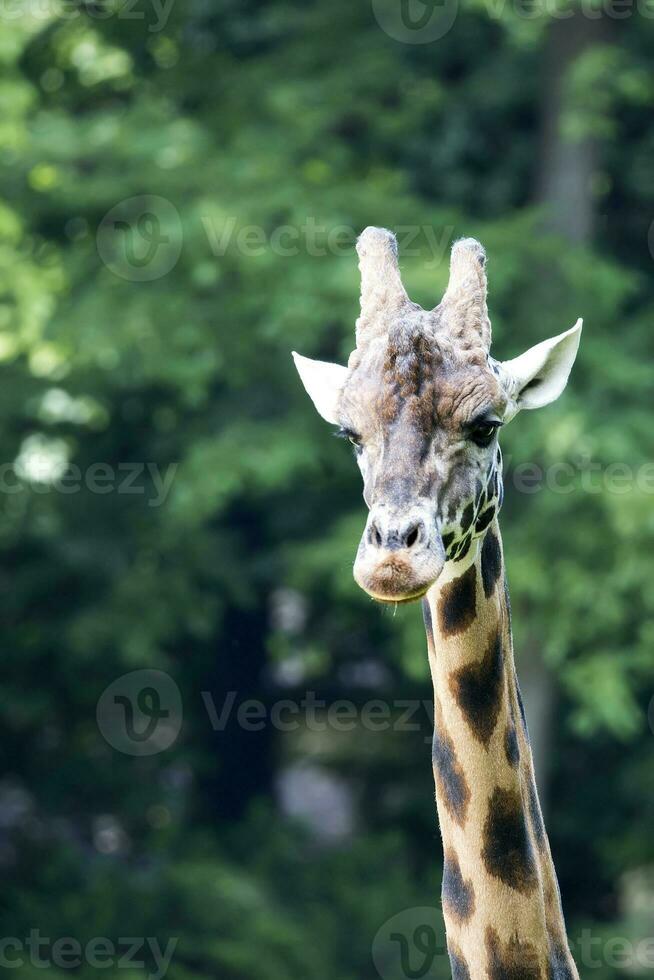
x=345 y=433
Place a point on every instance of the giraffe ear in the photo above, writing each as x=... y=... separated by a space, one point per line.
x=538 y=376
x=323 y=382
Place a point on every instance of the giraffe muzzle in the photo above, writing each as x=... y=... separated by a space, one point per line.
x=400 y=555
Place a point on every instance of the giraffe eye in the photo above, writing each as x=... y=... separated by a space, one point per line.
x=482 y=433
x=350 y=435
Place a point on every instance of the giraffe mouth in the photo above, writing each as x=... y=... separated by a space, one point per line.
x=400 y=600
x=396 y=581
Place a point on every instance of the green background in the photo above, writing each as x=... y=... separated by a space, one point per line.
x=271 y=854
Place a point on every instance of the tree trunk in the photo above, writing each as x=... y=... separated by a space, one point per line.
x=563 y=189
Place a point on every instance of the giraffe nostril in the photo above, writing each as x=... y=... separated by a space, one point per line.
x=374 y=535
x=411 y=536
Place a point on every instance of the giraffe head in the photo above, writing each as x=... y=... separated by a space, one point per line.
x=423 y=401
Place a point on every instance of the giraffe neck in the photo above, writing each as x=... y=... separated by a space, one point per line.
x=500 y=893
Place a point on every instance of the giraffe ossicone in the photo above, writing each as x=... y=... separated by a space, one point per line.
x=423 y=401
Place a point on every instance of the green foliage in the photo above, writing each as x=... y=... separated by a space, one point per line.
x=249 y=119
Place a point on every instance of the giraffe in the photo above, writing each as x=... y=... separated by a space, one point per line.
x=422 y=400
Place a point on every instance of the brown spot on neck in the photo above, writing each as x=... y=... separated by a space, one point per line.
x=458 y=893
x=451 y=785
x=507 y=849
x=478 y=688
x=458 y=964
x=491 y=562
x=457 y=607
x=514 y=960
